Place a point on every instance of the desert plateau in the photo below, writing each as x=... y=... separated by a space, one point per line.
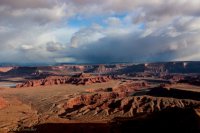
x=101 y=98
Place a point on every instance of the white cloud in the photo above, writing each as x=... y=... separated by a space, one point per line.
x=146 y=30
x=113 y=21
x=26 y=47
x=86 y=36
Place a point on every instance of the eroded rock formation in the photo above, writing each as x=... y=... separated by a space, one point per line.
x=79 y=79
x=117 y=102
x=127 y=106
x=52 y=80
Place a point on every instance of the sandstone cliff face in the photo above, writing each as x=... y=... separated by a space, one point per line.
x=89 y=80
x=52 y=80
x=80 y=79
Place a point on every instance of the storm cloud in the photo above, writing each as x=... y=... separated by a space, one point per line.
x=93 y=31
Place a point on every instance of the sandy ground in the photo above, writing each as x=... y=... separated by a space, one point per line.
x=188 y=87
x=16 y=115
x=34 y=105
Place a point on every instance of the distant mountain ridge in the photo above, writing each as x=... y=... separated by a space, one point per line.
x=160 y=67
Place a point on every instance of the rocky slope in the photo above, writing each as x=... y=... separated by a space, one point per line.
x=120 y=102
x=107 y=105
x=176 y=120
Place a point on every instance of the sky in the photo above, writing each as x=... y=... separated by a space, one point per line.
x=99 y=31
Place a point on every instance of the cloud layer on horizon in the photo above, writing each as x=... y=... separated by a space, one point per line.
x=93 y=31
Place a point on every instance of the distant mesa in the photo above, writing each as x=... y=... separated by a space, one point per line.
x=111 y=69
x=78 y=79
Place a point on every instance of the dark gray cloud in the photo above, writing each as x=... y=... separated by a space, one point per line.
x=54 y=46
x=132 y=48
